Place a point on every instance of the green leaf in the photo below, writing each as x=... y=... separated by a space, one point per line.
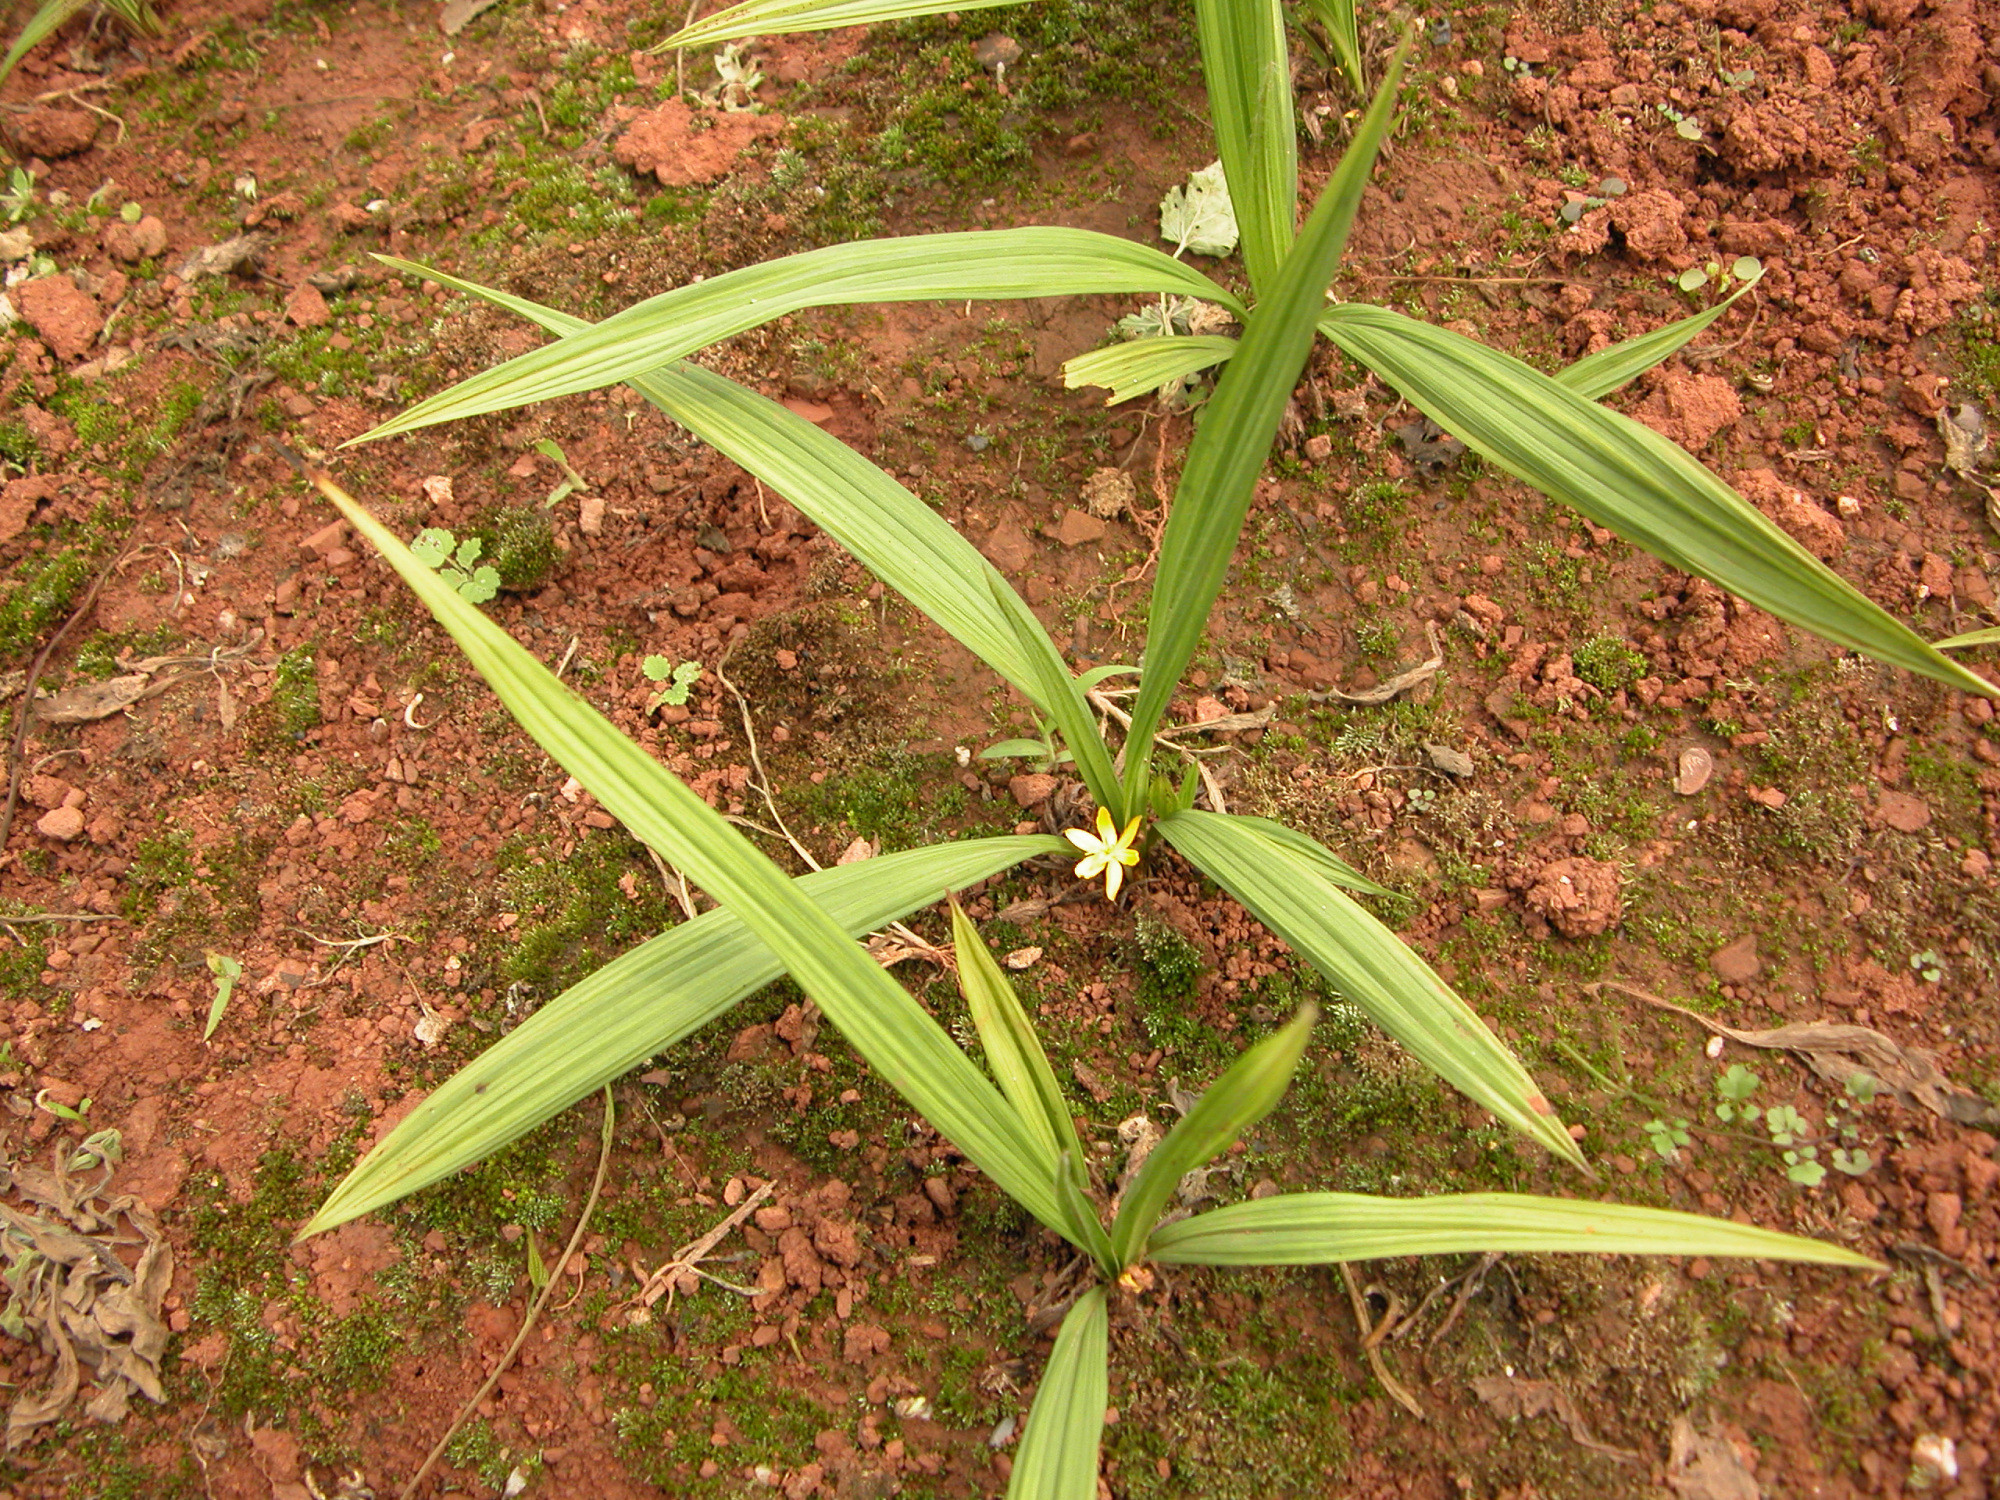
x=1596 y=376
x=1141 y=365
x=1314 y=853
x=432 y=546
x=911 y=1051
x=1058 y=1457
x=226 y=971
x=1305 y=1229
x=1337 y=16
x=1623 y=475
x=1235 y=435
x=995 y=265
x=1013 y=1051
x=48 y=18
x=776 y=17
x=1086 y=1230
x=1061 y=697
x=1294 y=896
x=1246 y=65
x=634 y=1008
x=1005 y=748
x=1988 y=637
x=1242 y=1096
x=1198 y=217
x=899 y=538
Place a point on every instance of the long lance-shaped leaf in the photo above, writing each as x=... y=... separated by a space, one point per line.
x=1248 y=1091
x=1235 y=435
x=1596 y=376
x=776 y=17
x=1086 y=1230
x=1000 y=264
x=1142 y=365
x=1303 y=1229
x=1369 y=965
x=1247 y=67
x=1337 y=16
x=1314 y=853
x=1987 y=637
x=51 y=15
x=1062 y=698
x=1013 y=1051
x=885 y=1025
x=1625 y=476
x=902 y=540
x=633 y=1008
x=1058 y=1457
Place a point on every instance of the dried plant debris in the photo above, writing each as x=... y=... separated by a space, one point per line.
x=1966 y=441
x=1512 y=1397
x=69 y=1287
x=1837 y=1051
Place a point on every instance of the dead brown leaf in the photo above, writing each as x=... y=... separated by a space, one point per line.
x=1704 y=1466
x=68 y=1289
x=1838 y=1052
x=1966 y=441
x=458 y=14
x=1513 y=1398
x=89 y=701
x=1388 y=688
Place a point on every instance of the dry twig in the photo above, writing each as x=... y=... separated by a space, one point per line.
x=534 y=1310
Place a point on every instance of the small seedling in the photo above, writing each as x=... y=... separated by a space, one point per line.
x=1667 y=1139
x=1687 y=127
x=437 y=548
x=19 y=198
x=100 y=1148
x=226 y=971
x=1929 y=965
x=1743 y=268
x=1736 y=1086
x=1576 y=208
x=538 y=1271
x=573 y=483
x=678 y=679
x=63 y=1111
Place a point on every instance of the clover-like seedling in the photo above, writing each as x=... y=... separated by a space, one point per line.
x=1576 y=208
x=1929 y=965
x=1736 y=1086
x=454 y=561
x=1667 y=1139
x=679 y=680
x=1743 y=268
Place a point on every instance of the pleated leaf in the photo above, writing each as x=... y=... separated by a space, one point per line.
x=997 y=265
x=1314 y=853
x=1058 y=1457
x=899 y=538
x=1596 y=376
x=1368 y=964
x=1246 y=66
x=1142 y=365
x=1236 y=430
x=776 y=17
x=1013 y=1051
x=1337 y=16
x=883 y=1023
x=1248 y=1091
x=1303 y=1229
x=1623 y=475
x=633 y=1008
x=1988 y=637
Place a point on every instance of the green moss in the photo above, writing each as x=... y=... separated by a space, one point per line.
x=574 y=914
x=40 y=594
x=901 y=797
x=519 y=541
x=1609 y=663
